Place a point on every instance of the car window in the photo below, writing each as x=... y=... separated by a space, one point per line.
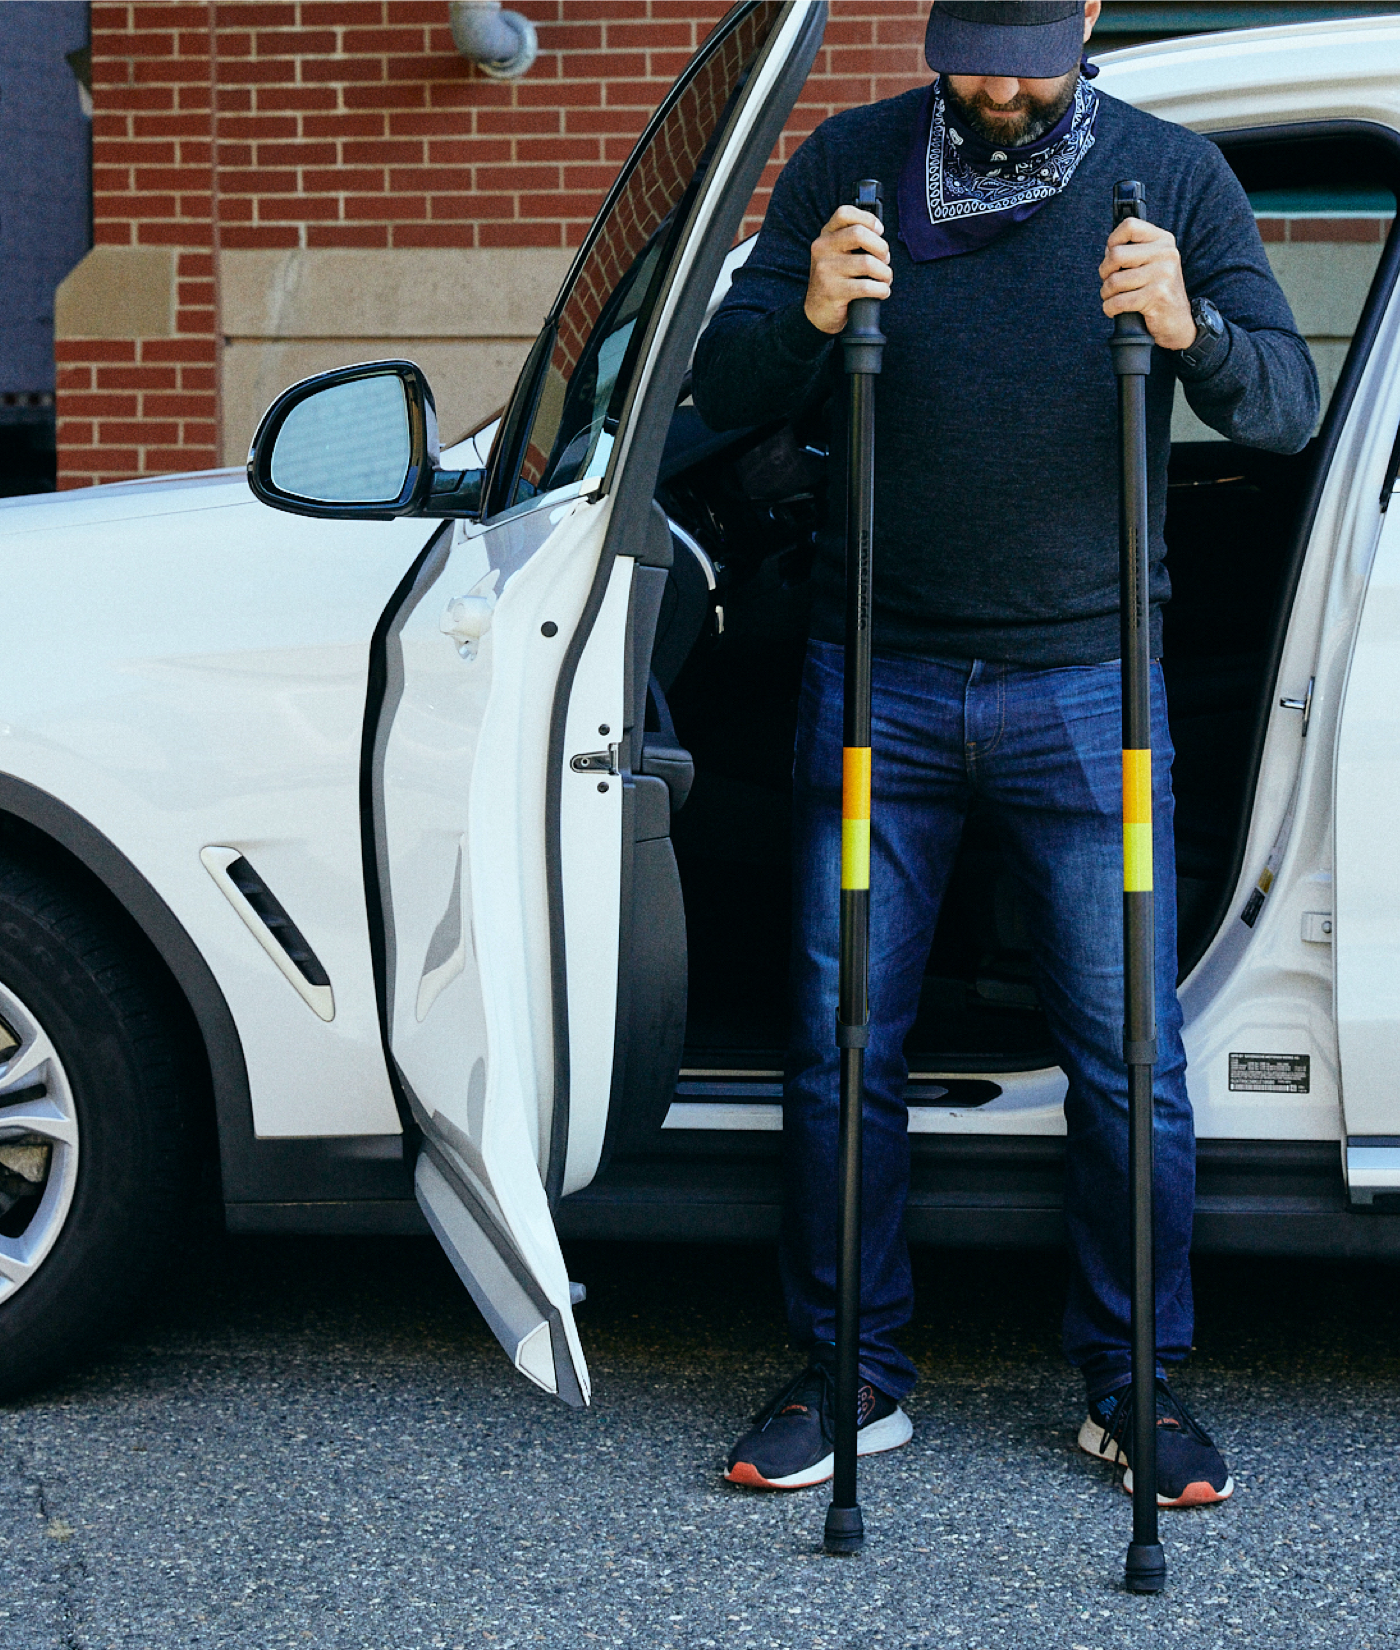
x=1324 y=244
x=564 y=417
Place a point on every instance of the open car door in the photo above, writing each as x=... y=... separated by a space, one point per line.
x=508 y=799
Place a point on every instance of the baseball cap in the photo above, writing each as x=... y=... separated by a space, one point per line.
x=1021 y=39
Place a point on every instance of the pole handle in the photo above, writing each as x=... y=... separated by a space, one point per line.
x=862 y=341
x=1132 y=342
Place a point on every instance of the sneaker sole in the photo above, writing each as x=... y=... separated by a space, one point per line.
x=1200 y=1494
x=887 y=1433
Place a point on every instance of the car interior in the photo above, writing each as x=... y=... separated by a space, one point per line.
x=732 y=631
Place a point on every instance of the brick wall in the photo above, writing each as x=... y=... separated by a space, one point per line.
x=319 y=125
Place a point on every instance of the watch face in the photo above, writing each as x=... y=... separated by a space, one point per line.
x=1206 y=315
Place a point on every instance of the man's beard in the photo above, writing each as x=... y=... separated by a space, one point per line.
x=1035 y=118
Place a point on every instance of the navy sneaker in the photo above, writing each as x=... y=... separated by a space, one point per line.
x=1190 y=1470
x=789 y=1446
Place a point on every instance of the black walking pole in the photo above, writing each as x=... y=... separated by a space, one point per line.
x=864 y=345
x=1146 y=1569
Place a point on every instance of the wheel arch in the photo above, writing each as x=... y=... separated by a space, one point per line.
x=39 y=822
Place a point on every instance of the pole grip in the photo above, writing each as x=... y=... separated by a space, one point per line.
x=862 y=341
x=1131 y=342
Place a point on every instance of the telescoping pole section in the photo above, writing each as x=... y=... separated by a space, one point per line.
x=864 y=344
x=1146 y=1568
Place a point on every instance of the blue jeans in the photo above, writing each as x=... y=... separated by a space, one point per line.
x=1041 y=748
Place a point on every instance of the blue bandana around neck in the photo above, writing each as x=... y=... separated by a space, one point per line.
x=958 y=192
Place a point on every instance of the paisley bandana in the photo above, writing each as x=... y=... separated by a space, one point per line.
x=957 y=192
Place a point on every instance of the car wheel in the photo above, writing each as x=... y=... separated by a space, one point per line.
x=95 y=1127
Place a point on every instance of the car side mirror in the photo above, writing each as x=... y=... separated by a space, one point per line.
x=358 y=444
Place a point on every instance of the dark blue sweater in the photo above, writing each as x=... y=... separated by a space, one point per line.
x=996 y=414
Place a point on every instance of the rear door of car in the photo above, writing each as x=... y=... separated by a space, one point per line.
x=532 y=955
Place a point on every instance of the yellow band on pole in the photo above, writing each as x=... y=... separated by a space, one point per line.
x=855 y=854
x=1137 y=859
x=855 y=817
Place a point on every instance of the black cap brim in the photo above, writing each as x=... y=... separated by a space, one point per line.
x=1041 y=51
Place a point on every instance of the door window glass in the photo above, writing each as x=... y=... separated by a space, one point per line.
x=593 y=344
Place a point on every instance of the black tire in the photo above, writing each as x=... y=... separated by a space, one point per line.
x=84 y=977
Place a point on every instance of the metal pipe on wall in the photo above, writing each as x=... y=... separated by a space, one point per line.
x=502 y=44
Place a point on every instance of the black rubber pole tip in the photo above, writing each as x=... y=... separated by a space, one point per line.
x=845 y=1531
x=1146 y=1569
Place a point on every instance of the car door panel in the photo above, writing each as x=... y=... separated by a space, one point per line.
x=505 y=783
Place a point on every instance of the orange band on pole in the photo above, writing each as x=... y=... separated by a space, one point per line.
x=855 y=782
x=1137 y=787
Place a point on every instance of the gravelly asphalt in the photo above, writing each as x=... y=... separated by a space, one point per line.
x=316 y=1442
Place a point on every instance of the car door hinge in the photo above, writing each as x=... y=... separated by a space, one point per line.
x=595 y=761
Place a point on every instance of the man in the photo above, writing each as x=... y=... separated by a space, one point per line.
x=997 y=636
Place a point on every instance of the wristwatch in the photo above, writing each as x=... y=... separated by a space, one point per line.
x=1212 y=340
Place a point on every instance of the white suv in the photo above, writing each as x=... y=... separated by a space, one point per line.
x=423 y=840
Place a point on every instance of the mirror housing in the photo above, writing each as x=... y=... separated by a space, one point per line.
x=419 y=487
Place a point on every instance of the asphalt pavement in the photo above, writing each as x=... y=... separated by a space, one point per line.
x=317 y=1442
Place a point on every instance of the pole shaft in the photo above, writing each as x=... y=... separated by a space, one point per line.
x=1139 y=1006
x=853 y=1007
x=1132 y=362
x=863 y=348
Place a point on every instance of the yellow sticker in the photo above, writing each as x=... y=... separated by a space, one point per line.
x=855 y=853
x=1137 y=859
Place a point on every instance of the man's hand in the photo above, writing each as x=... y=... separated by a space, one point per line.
x=849 y=260
x=1142 y=272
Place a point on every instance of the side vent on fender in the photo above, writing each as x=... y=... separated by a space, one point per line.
x=267 y=921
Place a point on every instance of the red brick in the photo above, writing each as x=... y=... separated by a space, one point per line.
x=597 y=179
x=254 y=180
x=180 y=233
x=518 y=120
x=522 y=234
x=274 y=71
x=295 y=42
x=296 y=154
x=177 y=349
x=137 y=429
x=346 y=71
x=296 y=209
x=169 y=16
x=113 y=463
x=298 y=98
x=383 y=152
x=143 y=376
x=454 y=152
x=342 y=13
x=440 y=177
x=94 y=349
x=342 y=179
x=343 y=126
x=74 y=378
x=99 y=405
x=343 y=234
x=1338 y=230
x=382 y=40
x=73 y=432
x=234 y=16
x=380 y=207
x=175 y=405
x=138 y=99
x=430 y=123
x=261 y=239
